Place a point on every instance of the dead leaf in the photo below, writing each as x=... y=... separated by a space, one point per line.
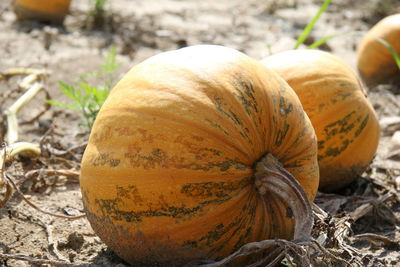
x=330 y=203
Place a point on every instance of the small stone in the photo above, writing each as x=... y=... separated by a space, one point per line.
x=75 y=241
x=9 y=16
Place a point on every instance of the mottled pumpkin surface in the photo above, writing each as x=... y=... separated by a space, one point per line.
x=167 y=176
x=374 y=60
x=344 y=120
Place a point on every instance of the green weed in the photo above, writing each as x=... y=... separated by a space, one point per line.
x=96 y=16
x=307 y=30
x=88 y=98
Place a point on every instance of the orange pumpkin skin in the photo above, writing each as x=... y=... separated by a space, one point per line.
x=54 y=10
x=167 y=176
x=374 y=60
x=344 y=120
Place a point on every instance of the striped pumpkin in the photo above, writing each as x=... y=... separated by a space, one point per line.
x=168 y=173
x=374 y=61
x=344 y=120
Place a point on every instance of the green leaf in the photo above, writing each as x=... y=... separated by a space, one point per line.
x=56 y=103
x=307 y=30
x=68 y=90
x=86 y=87
x=73 y=106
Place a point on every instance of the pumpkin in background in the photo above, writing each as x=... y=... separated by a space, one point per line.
x=168 y=175
x=374 y=60
x=42 y=10
x=344 y=120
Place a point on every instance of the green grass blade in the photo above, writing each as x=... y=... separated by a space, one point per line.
x=322 y=41
x=391 y=50
x=306 y=32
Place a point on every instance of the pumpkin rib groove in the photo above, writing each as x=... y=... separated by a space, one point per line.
x=234 y=100
x=282 y=154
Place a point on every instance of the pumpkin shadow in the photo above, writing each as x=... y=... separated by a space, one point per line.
x=30 y=25
x=106 y=257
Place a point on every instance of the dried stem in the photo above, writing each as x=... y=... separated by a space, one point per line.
x=35 y=173
x=45 y=109
x=271 y=177
x=7 y=195
x=24 y=71
x=24 y=148
x=38 y=261
x=365 y=208
x=9 y=180
x=8 y=153
x=52 y=244
x=378 y=239
x=33 y=87
x=11 y=112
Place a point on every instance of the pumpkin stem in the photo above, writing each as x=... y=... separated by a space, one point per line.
x=270 y=176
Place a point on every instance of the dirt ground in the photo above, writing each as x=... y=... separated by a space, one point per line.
x=140 y=29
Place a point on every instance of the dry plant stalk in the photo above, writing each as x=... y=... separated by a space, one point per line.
x=9 y=153
x=33 y=86
x=335 y=233
x=37 y=261
x=10 y=181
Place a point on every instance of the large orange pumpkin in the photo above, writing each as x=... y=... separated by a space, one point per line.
x=344 y=120
x=42 y=10
x=168 y=173
x=374 y=60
